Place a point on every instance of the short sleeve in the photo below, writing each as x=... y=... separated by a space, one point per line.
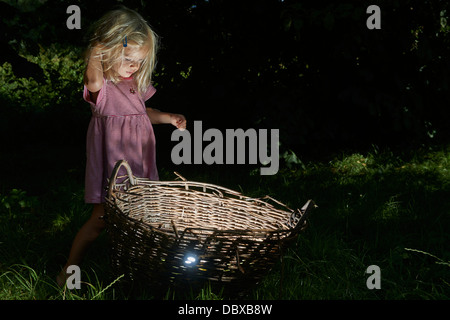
x=149 y=93
x=87 y=96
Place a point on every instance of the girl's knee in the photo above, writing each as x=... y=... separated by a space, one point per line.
x=96 y=219
x=98 y=209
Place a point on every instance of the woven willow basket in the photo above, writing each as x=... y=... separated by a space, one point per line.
x=183 y=232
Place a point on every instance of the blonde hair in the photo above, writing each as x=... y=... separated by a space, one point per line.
x=110 y=32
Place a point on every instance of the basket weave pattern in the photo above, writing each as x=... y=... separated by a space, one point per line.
x=174 y=232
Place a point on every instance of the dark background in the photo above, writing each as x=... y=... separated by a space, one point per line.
x=311 y=69
x=365 y=110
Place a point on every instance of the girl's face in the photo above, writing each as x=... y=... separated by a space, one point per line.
x=131 y=61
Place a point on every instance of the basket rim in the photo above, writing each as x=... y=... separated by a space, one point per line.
x=132 y=181
x=304 y=212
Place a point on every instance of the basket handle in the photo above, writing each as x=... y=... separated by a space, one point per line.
x=309 y=206
x=115 y=172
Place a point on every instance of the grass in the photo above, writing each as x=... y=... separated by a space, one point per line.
x=380 y=208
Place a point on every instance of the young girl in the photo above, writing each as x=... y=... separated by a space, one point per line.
x=121 y=59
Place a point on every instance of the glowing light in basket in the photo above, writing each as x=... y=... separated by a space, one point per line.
x=190 y=260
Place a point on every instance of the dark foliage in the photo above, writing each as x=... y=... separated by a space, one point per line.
x=312 y=69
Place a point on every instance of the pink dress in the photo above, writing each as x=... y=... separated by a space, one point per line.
x=119 y=129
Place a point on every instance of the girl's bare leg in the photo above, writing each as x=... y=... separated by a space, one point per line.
x=84 y=238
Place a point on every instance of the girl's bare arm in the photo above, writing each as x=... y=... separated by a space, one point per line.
x=93 y=76
x=157 y=117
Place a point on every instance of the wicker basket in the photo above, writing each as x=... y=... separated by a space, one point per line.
x=183 y=232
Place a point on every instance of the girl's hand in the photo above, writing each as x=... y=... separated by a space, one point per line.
x=178 y=121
